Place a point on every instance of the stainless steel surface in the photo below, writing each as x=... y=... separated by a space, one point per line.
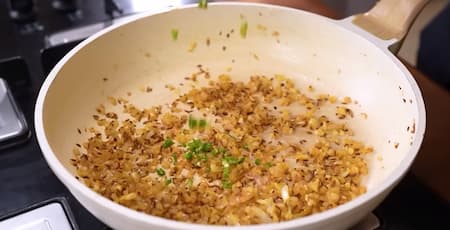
x=48 y=217
x=129 y=9
x=73 y=34
x=12 y=121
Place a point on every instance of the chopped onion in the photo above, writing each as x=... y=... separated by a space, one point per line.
x=184 y=173
x=263 y=217
x=196 y=180
x=292 y=163
x=285 y=193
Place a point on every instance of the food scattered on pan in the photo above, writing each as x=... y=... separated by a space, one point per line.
x=174 y=34
x=230 y=152
x=243 y=29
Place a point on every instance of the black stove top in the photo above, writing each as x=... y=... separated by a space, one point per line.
x=27 y=53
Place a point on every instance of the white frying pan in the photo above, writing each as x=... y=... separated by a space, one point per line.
x=337 y=57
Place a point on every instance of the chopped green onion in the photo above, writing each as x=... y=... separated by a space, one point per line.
x=227 y=163
x=160 y=172
x=257 y=161
x=174 y=157
x=202 y=4
x=217 y=151
x=174 y=33
x=202 y=123
x=226 y=171
x=192 y=123
x=167 y=143
x=243 y=30
x=202 y=156
x=245 y=146
x=226 y=184
x=188 y=156
x=199 y=150
x=268 y=165
x=199 y=146
x=168 y=181
x=190 y=182
x=230 y=160
x=206 y=147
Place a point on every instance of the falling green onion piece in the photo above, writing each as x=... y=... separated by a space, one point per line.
x=174 y=33
x=167 y=143
x=257 y=161
x=243 y=30
x=202 y=123
x=160 y=172
x=202 y=4
x=192 y=123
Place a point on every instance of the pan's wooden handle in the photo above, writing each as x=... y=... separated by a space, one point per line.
x=390 y=19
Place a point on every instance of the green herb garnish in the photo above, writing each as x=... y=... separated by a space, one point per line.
x=244 y=28
x=168 y=181
x=232 y=161
x=257 y=161
x=188 y=156
x=202 y=123
x=202 y=157
x=167 y=143
x=199 y=150
x=202 y=4
x=190 y=182
x=174 y=157
x=192 y=122
x=174 y=33
x=227 y=163
x=226 y=171
x=160 y=172
x=199 y=146
x=245 y=146
x=226 y=184
x=217 y=151
x=268 y=165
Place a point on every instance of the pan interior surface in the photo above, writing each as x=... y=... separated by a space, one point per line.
x=309 y=49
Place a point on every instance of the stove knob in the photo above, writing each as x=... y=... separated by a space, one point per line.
x=21 y=10
x=65 y=5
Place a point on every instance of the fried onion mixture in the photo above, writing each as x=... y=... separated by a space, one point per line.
x=228 y=153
